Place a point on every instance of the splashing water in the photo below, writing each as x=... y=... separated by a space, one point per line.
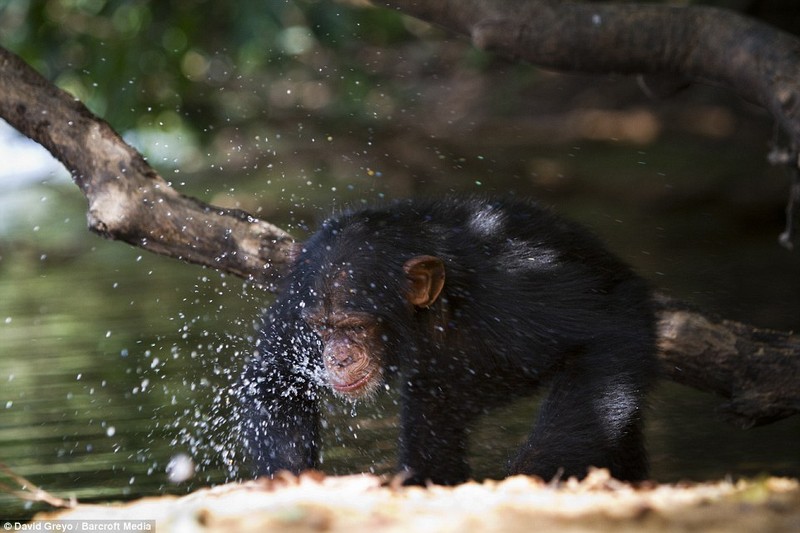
x=197 y=383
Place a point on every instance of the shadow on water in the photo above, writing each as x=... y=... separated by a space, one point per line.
x=112 y=361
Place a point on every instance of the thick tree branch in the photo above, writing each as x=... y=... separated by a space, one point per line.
x=757 y=370
x=758 y=61
x=127 y=199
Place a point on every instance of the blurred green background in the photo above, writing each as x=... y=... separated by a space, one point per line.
x=114 y=361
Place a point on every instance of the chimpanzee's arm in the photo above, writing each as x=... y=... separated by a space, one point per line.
x=280 y=414
x=433 y=438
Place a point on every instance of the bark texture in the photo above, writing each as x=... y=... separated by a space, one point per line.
x=127 y=199
x=711 y=45
x=756 y=370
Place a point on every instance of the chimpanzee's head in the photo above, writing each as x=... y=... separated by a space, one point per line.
x=353 y=299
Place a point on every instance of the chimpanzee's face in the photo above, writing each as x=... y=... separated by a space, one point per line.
x=346 y=318
x=353 y=351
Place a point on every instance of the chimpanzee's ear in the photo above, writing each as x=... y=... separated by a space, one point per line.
x=426 y=276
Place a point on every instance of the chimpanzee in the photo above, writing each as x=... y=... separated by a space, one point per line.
x=465 y=304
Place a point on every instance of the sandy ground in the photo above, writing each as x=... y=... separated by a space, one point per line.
x=315 y=502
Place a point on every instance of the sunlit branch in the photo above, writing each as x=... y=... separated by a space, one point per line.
x=127 y=199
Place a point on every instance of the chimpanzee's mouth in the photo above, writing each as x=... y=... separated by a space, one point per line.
x=355 y=385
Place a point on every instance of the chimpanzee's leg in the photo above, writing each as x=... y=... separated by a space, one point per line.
x=592 y=416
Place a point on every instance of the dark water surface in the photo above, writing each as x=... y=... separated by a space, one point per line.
x=113 y=361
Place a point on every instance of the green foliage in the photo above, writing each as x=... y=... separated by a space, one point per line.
x=190 y=64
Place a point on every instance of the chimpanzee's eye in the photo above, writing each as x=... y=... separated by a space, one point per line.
x=320 y=329
x=358 y=330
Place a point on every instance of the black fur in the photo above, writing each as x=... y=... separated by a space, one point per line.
x=528 y=299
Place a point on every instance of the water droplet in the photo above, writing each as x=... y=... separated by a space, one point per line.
x=180 y=468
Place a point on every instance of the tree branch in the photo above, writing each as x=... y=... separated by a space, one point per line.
x=757 y=370
x=127 y=199
x=711 y=45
